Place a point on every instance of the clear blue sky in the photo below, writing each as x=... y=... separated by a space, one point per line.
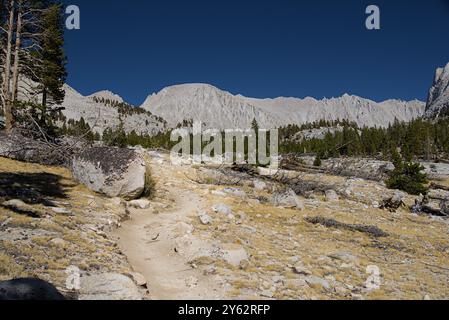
x=259 y=48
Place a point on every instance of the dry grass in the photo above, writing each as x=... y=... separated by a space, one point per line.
x=403 y=257
x=9 y=269
x=38 y=256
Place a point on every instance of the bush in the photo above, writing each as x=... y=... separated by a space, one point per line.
x=317 y=162
x=150 y=183
x=407 y=176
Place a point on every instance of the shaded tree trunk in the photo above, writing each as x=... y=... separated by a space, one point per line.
x=44 y=97
x=7 y=69
x=15 y=83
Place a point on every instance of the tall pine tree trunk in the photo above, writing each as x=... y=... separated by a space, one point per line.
x=15 y=76
x=2 y=36
x=44 y=98
x=7 y=69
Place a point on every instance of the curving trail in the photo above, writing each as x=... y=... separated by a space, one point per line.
x=150 y=237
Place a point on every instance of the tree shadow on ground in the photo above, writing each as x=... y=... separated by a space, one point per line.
x=33 y=188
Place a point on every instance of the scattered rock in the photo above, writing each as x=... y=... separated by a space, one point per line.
x=218 y=193
x=267 y=293
x=235 y=192
x=58 y=242
x=222 y=208
x=357 y=296
x=344 y=256
x=111 y=171
x=278 y=279
x=140 y=204
x=139 y=279
x=389 y=167
x=300 y=269
x=331 y=196
x=63 y=211
x=314 y=280
x=182 y=228
x=295 y=283
x=234 y=254
x=294 y=259
x=398 y=197
x=445 y=207
x=108 y=286
x=288 y=199
x=259 y=185
x=204 y=218
x=21 y=207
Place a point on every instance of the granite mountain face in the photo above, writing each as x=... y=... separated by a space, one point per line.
x=438 y=101
x=217 y=108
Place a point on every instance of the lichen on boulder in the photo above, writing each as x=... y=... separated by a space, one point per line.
x=113 y=172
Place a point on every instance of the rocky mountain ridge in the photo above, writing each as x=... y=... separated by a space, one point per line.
x=438 y=101
x=99 y=112
x=220 y=109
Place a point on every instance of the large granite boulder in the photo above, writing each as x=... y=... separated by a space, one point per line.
x=113 y=172
x=287 y=199
x=108 y=286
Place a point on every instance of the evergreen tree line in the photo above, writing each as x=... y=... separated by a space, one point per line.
x=79 y=128
x=126 y=108
x=119 y=138
x=32 y=61
x=420 y=138
x=423 y=139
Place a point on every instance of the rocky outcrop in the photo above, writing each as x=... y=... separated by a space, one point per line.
x=109 y=286
x=222 y=110
x=111 y=171
x=438 y=101
x=101 y=115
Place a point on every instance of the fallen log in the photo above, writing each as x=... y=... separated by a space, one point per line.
x=331 y=223
x=432 y=211
x=435 y=186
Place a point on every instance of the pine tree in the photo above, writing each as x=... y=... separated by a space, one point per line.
x=407 y=176
x=255 y=125
x=53 y=68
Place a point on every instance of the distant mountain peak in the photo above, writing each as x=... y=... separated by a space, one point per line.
x=438 y=100
x=107 y=95
x=220 y=109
